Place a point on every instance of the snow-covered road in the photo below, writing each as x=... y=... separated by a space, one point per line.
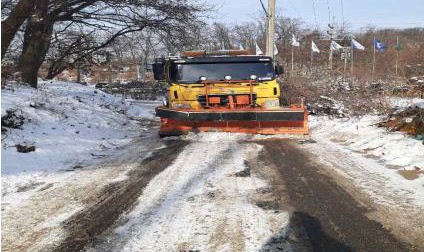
x=207 y=200
x=233 y=192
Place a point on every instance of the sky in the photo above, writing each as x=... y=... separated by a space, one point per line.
x=358 y=13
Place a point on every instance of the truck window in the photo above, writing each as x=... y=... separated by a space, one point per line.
x=190 y=73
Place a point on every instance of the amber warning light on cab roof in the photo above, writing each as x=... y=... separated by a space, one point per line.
x=215 y=53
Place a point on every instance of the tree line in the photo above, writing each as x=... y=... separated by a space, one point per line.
x=73 y=34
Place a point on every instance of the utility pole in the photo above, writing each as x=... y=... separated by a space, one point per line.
x=270 y=29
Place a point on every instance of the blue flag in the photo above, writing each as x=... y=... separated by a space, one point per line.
x=379 y=46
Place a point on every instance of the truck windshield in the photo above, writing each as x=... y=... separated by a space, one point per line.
x=191 y=73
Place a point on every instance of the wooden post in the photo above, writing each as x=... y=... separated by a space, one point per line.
x=292 y=61
x=397 y=54
x=373 y=61
x=351 y=60
x=345 y=63
x=312 y=57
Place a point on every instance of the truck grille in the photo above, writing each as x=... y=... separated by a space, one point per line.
x=223 y=99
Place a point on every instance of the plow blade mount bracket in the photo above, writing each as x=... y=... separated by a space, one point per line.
x=254 y=121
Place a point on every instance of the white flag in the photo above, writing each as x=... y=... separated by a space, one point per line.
x=357 y=45
x=334 y=46
x=315 y=47
x=294 y=41
x=241 y=47
x=258 y=50
x=275 y=49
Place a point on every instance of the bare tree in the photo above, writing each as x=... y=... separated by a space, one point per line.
x=15 y=18
x=222 y=35
x=114 y=18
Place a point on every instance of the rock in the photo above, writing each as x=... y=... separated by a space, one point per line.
x=25 y=148
x=400 y=89
x=413 y=79
x=13 y=119
x=327 y=106
x=409 y=121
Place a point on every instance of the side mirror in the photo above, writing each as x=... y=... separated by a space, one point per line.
x=279 y=70
x=159 y=70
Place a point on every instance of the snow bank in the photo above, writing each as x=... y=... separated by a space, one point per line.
x=402 y=103
x=142 y=109
x=70 y=125
x=371 y=157
x=395 y=149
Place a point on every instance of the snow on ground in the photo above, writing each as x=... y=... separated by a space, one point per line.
x=371 y=157
x=199 y=204
x=71 y=126
x=361 y=135
x=142 y=109
x=404 y=102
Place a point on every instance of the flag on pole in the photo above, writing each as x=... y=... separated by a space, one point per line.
x=379 y=46
x=241 y=47
x=398 y=45
x=258 y=50
x=275 y=49
x=315 y=47
x=294 y=41
x=356 y=45
x=334 y=46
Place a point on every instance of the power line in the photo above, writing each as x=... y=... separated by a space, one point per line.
x=329 y=12
x=263 y=7
x=343 y=20
x=315 y=14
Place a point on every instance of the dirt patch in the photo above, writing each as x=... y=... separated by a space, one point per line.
x=333 y=220
x=410 y=121
x=245 y=172
x=117 y=198
x=398 y=215
x=29 y=187
x=411 y=174
x=268 y=205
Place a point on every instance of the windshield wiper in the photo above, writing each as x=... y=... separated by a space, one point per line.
x=187 y=82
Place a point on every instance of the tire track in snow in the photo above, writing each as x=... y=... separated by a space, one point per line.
x=83 y=228
x=198 y=203
x=332 y=218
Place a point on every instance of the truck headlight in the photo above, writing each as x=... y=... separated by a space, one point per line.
x=182 y=106
x=272 y=104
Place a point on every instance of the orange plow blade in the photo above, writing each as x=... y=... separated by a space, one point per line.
x=250 y=120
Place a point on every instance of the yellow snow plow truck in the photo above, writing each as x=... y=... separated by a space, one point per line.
x=224 y=91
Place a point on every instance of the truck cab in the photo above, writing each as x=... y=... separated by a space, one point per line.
x=235 y=76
